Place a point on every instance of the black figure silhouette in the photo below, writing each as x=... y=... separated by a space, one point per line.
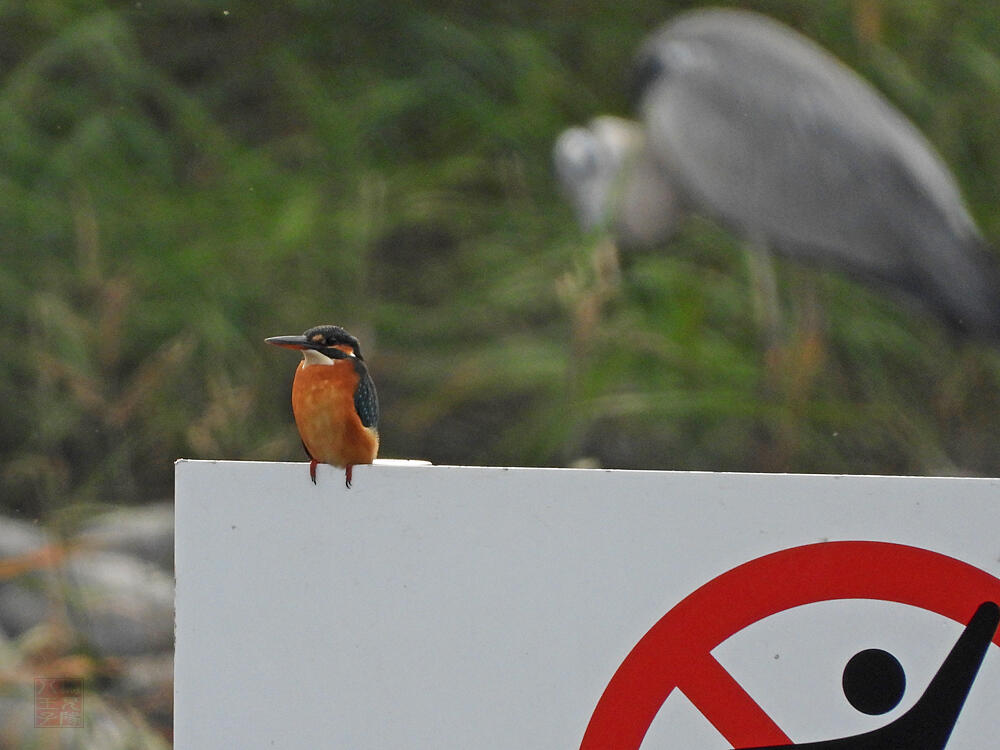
x=928 y=724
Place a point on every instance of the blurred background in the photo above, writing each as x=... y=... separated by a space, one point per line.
x=180 y=179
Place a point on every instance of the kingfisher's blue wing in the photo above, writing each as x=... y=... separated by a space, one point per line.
x=365 y=396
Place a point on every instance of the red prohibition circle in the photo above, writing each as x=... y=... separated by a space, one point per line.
x=676 y=651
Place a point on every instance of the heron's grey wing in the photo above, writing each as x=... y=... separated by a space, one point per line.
x=776 y=138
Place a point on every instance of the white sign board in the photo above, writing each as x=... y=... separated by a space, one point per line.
x=530 y=609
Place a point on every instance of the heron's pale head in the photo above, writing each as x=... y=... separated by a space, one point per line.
x=613 y=184
x=590 y=163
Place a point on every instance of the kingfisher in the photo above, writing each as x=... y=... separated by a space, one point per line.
x=333 y=399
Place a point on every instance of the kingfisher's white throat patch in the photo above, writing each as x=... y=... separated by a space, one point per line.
x=313 y=357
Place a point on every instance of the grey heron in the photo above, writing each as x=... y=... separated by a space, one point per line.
x=748 y=122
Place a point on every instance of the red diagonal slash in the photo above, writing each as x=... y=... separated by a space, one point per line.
x=727 y=705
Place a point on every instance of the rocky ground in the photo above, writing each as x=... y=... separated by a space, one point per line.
x=97 y=606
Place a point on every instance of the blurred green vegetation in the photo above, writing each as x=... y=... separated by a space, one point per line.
x=180 y=179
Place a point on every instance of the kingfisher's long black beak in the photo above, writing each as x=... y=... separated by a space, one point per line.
x=301 y=342
x=293 y=342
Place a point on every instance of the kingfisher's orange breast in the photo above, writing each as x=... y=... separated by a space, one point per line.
x=323 y=405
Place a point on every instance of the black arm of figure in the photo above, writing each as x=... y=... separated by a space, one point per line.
x=928 y=723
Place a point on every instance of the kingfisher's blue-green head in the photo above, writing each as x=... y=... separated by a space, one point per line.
x=321 y=344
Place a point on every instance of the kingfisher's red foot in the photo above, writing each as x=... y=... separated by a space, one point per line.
x=348 y=472
x=312 y=470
